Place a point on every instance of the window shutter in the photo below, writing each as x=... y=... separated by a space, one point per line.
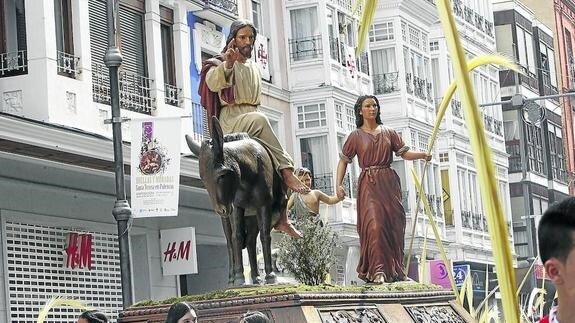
x=132 y=41
x=131 y=44
x=98 y=30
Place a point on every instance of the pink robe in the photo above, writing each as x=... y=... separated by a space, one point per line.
x=380 y=214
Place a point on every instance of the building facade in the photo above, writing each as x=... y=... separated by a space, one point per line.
x=56 y=150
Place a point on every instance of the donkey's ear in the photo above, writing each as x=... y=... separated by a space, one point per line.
x=193 y=145
x=217 y=137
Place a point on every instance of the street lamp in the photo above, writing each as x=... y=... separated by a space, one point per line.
x=121 y=211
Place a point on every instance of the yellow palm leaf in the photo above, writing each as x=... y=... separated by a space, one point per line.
x=436 y=233
x=369 y=7
x=58 y=302
x=473 y=64
x=485 y=168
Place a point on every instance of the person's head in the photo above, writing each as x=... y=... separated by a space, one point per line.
x=367 y=107
x=304 y=176
x=92 y=316
x=255 y=317
x=244 y=32
x=556 y=235
x=181 y=313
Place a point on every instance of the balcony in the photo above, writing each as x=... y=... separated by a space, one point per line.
x=479 y=21
x=458 y=8
x=350 y=188
x=385 y=83
x=419 y=86
x=68 y=64
x=477 y=221
x=222 y=12
x=172 y=95
x=488 y=122
x=514 y=150
x=498 y=127
x=324 y=183
x=13 y=63
x=456 y=108
x=135 y=90
x=489 y=28
x=468 y=14
x=408 y=83
x=466 y=221
x=305 y=48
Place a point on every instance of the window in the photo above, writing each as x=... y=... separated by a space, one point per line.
x=257 y=15
x=63 y=15
x=315 y=156
x=67 y=63
x=311 y=116
x=339 y=115
x=557 y=154
x=433 y=46
x=13 y=55
x=306 y=38
x=381 y=32
x=414 y=39
x=535 y=149
x=525 y=50
x=404 y=31
x=135 y=87
x=171 y=92
x=385 y=75
x=548 y=65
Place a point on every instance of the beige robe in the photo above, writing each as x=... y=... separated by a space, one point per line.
x=243 y=115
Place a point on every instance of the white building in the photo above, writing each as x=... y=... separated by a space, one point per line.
x=56 y=156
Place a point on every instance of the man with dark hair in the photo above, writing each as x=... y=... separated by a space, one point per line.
x=556 y=235
x=92 y=316
x=237 y=82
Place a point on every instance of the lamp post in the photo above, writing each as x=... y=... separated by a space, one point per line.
x=121 y=211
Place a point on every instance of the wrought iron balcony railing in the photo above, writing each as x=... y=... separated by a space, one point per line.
x=466 y=221
x=429 y=91
x=479 y=21
x=229 y=6
x=477 y=221
x=68 y=64
x=13 y=63
x=408 y=83
x=458 y=8
x=498 y=127
x=135 y=90
x=488 y=122
x=419 y=86
x=385 y=83
x=172 y=94
x=456 y=108
x=323 y=182
x=468 y=14
x=305 y=48
x=350 y=187
x=489 y=28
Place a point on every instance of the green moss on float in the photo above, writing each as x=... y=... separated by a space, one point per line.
x=289 y=289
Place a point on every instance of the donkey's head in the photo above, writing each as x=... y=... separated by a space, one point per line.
x=217 y=171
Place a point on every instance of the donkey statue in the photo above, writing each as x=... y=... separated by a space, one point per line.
x=239 y=174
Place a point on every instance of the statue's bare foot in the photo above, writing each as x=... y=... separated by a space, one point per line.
x=288 y=228
x=379 y=278
x=293 y=182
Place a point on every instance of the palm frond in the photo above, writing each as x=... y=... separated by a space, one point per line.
x=369 y=7
x=59 y=301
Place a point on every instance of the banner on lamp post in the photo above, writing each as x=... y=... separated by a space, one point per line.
x=155 y=166
x=179 y=251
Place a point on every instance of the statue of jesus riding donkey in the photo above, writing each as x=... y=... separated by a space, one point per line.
x=243 y=167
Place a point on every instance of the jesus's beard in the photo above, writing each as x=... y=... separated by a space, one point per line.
x=246 y=51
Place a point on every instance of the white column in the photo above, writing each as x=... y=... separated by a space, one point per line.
x=154 y=54
x=182 y=56
x=41 y=48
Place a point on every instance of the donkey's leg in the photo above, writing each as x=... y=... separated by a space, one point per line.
x=238 y=237
x=226 y=225
x=264 y=220
x=251 y=243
